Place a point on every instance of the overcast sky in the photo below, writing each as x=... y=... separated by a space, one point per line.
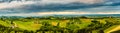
x=47 y=7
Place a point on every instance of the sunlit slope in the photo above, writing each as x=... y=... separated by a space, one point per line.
x=28 y=25
x=6 y=24
x=112 y=29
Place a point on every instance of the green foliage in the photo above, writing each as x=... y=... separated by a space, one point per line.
x=56 y=25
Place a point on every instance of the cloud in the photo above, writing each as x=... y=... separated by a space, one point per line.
x=58 y=13
x=49 y=13
x=59 y=6
x=71 y=1
x=14 y=4
x=56 y=1
x=18 y=3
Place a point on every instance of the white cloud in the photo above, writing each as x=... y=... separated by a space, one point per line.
x=14 y=4
x=70 y=1
x=108 y=12
x=58 y=13
x=21 y=14
x=49 y=13
x=45 y=13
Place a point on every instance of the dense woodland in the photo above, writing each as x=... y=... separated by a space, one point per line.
x=52 y=24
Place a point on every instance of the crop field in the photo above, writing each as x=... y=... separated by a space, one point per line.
x=52 y=24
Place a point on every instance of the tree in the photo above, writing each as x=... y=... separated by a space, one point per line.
x=83 y=17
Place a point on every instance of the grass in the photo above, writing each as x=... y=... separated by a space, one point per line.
x=5 y=24
x=85 y=20
x=28 y=25
x=111 y=29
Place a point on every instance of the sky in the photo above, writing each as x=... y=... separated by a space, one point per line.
x=50 y=7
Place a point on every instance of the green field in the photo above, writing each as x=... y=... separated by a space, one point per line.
x=59 y=25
